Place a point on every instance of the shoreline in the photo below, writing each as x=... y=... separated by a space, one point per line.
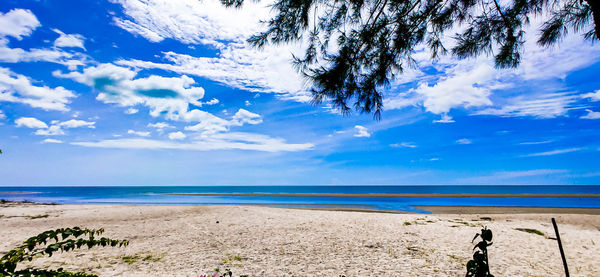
x=438 y=209
x=413 y=195
x=421 y=209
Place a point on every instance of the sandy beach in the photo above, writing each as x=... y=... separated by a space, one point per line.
x=267 y=241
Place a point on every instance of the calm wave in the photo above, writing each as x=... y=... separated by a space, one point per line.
x=161 y=196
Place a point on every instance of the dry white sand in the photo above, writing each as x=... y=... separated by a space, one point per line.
x=263 y=241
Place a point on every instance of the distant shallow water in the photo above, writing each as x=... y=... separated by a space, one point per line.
x=313 y=196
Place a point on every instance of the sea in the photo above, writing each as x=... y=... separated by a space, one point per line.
x=164 y=195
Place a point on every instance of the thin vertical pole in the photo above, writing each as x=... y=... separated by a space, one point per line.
x=562 y=253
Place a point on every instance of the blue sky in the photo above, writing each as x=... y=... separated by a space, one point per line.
x=128 y=92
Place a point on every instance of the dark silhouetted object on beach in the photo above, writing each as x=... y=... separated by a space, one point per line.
x=562 y=252
x=376 y=39
x=479 y=265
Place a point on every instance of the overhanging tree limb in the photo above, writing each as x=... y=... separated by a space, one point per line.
x=369 y=54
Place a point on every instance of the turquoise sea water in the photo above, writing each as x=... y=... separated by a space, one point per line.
x=159 y=196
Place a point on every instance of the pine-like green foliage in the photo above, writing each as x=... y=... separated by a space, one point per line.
x=46 y=243
x=375 y=39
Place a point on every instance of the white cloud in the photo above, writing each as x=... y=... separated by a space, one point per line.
x=53 y=55
x=168 y=96
x=399 y=101
x=54 y=129
x=213 y=101
x=553 y=152
x=131 y=111
x=18 y=23
x=177 y=135
x=208 y=22
x=224 y=141
x=247 y=103
x=160 y=125
x=138 y=133
x=591 y=115
x=49 y=140
x=445 y=119
x=462 y=88
x=2 y=115
x=190 y=22
x=18 y=88
x=536 y=142
x=474 y=84
x=464 y=141
x=593 y=96
x=74 y=123
x=361 y=132
x=466 y=83
x=210 y=124
x=30 y=122
x=243 y=116
x=404 y=145
x=239 y=66
x=538 y=106
x=67 y=40
x=543 y=63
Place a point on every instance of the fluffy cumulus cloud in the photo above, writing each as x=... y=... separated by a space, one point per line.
x=462 y=88
x=18 y=88
x=475 y=85
x=177 y=135
x=361 y=132
x=21 y=23
x=459 y=84
x=171 y=98
x=30 y=122
x=56 y=127
x=168 y=96
x=18 y=23
x=67 y=40
x=211 y=124
x=75 y=123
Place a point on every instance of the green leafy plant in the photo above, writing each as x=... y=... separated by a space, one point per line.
x=531 y=231
x=479 y=266
x=49 y=242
